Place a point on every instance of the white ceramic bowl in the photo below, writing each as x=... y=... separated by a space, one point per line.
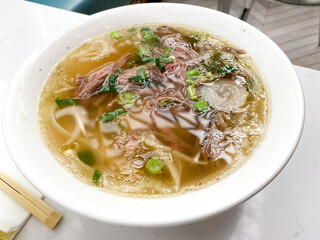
x=31 y=155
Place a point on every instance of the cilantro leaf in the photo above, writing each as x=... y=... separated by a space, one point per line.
x=107 y=117
x=96 y=176
x=112 y=78
x=132 y=30
x=145 y=29
x=159 y=65
x=65 y=102
x=143 y=52
x=111 y=88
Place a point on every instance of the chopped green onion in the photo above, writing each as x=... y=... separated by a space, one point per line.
x=96 y=176
x=65 y=102
x=201 y=106
x=145 y=29
x=86 y=157
x=143 y=52
x=111 y=88
x=166 y=103
x=115 y=35
x=167 y=51
x=209 y=75
x=112 y=79
x=107 y=117
x=191 y=82
x=154 y=165
x=192 y=93
x=127 y=98
x=132 y=30
x=120 y=71
x=193 y=72
x=159 y=64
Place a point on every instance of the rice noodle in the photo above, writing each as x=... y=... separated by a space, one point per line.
x=80 y=115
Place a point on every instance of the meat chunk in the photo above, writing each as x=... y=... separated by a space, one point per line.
x=210 y=144
x=175 y=71
x=123 y=79
x=180 y=49
x=165 y=30
x=88 y=83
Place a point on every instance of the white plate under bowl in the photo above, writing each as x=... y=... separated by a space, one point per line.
x=24 y=141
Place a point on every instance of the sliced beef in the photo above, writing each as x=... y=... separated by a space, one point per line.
x=123 y=78
x=210 y=149
x=175 y=71
x=165 y=30
x=180 y=49
x=90 y=82
x=155 y=73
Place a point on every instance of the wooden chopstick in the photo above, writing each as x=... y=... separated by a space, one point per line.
x=37 y=207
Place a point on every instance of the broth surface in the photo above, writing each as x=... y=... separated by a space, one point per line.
x=154 y=110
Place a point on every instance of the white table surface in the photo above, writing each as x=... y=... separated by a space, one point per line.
x=288 y=208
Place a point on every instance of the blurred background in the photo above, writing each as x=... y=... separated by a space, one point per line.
x=293 y=24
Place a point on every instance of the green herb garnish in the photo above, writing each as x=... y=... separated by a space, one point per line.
x=227 y=69
x=166 y=103
x=96 y=176
x=132 y=30
x=120 y=71
x=145 y=29
x=159 y=64
x=107 y=117
x=154 y=165
x=143 y=52
x=193 y=38
x=167 y=51
x=220 y=65
x=115 y=35
x=143 y=74
x=65 y=102
x=192 y=93
x=86 y=157
x=191 y=82
x=111 y=88
x=202 y=106
x=142 y=77
x=193 y=72
x=150 y=38
x=112 y=79
x=127 y=98
x=209 y=75
x=216 y=56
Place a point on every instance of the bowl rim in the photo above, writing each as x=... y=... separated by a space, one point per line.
x=9 y=140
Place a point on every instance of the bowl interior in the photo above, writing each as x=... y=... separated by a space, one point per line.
x=30 y=153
